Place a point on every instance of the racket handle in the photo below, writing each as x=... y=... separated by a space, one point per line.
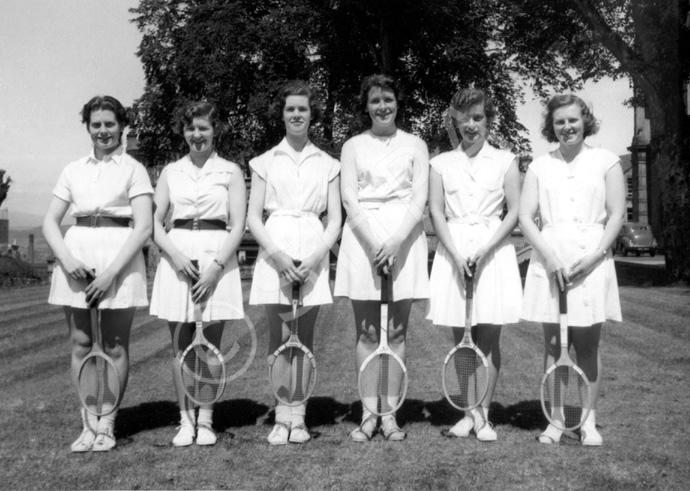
x=384 y=286
x=296 y=285
x=469 y=281
x=563 y=300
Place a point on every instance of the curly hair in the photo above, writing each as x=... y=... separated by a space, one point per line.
x=464 y=99
x=383 y=82
x=295 y=87
x=591 y=125
x=199 y=109
x=104 y=103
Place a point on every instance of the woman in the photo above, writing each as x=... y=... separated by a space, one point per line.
x=208 y=197
x=469 y=188
x=579 y=192
x=294 y=182
x=384 y=187
x=107 y=190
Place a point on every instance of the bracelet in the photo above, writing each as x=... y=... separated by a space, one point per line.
x=603 y=251
x=219 y=263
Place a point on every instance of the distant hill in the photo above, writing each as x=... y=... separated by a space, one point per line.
x=22 y=220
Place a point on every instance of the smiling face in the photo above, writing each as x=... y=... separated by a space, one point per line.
x=199 y=135
x=105 y=132
x=297 y=115
x=568 y=125
x=383 y=108
x=473 y=126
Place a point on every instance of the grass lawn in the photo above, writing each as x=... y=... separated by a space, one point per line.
x=642 y=412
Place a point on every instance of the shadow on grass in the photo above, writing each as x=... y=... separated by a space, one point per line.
x=146 y=416
x=525 y=415
x=236 y=413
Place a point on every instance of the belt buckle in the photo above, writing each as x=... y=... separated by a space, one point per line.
x=195 y=224
x=93 y=221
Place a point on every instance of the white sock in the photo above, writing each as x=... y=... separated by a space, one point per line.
x=297 y=414
x=89 y=421
x=368 y=402
x=282 y=414
x=592 y=417
x=205 y=416
x=107 y=422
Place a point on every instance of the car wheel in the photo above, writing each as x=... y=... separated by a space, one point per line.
x=652 y=252
x=638 y=253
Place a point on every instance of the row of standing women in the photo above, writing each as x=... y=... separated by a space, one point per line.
x=383 y=180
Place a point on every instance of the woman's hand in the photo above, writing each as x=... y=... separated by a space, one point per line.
x=286 y=267
x=184 y=265
x=208 y=279
x=387 y=255
x=479 y=257
x=308 y=266
x=96 y=288
x=463 y=266
x=75 y=268
x=555 y=267
x=585 y=265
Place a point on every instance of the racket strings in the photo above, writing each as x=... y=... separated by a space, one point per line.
x=466 y=378
x=382 y=384
x=202 y=374
x=99 y=385
x=293 y=375
x=567 y=396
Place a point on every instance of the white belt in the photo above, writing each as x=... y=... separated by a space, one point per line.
x=474 y=220
x=293 y=213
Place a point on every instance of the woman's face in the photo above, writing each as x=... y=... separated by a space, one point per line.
x=382 y=107
x=297 y=115
x=199 y=135
x=473 y=126
x=105 y=131
x=568 y=125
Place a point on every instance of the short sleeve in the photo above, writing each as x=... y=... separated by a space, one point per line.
x=140 y=183
x=437 y=164
x=334 y=170
x=421 y=152
x=62 y=187
x=609 y=159
x=258 y=165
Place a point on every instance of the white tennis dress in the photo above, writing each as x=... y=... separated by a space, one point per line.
x=296 y=196
x=385 y=167
x=572 y=204
x=198 y=194
x=95 y=187
x=474 y=199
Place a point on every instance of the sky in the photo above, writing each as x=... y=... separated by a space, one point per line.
x=56 y=55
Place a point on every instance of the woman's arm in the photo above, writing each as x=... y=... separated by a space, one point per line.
x=141 y=213
x=51 y=231
x=237 y=209
x=437 y=207
x=283 y=262
x=615 y=210
x=161 y=200
x=356 y=217
x=415 y=211
x=330 y=235
x=511 y=188
x=529 y=204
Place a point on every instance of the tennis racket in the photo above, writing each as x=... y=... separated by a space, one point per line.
x=382 y=379
x=566 y=394
x=465 y=368
x=202 y=365
x=292 y=367
x=98 y=383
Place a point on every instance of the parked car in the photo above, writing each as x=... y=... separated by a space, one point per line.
x=635 y=237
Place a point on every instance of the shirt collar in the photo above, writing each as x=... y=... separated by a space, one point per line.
x=116 y=156
x=284 y=148
x=209 y=166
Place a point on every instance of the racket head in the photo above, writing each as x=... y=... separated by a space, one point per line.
x=566 y=396
x=202 y=369
x=292 y=374
x=98 y=384
x=465 y=377
x=382 y=382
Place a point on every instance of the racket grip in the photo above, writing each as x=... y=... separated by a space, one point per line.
x=296 y=285
x=563 y=300
x=469 y=281
x=384 y=286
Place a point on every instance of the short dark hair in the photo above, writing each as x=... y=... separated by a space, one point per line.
x=466 y=98
x=199 y=109
x=105 y=103
x=562 y=100
x=295 y=87
x=383 y=82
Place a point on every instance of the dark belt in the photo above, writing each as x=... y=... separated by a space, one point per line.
x=199 y=224
x=95 y=221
